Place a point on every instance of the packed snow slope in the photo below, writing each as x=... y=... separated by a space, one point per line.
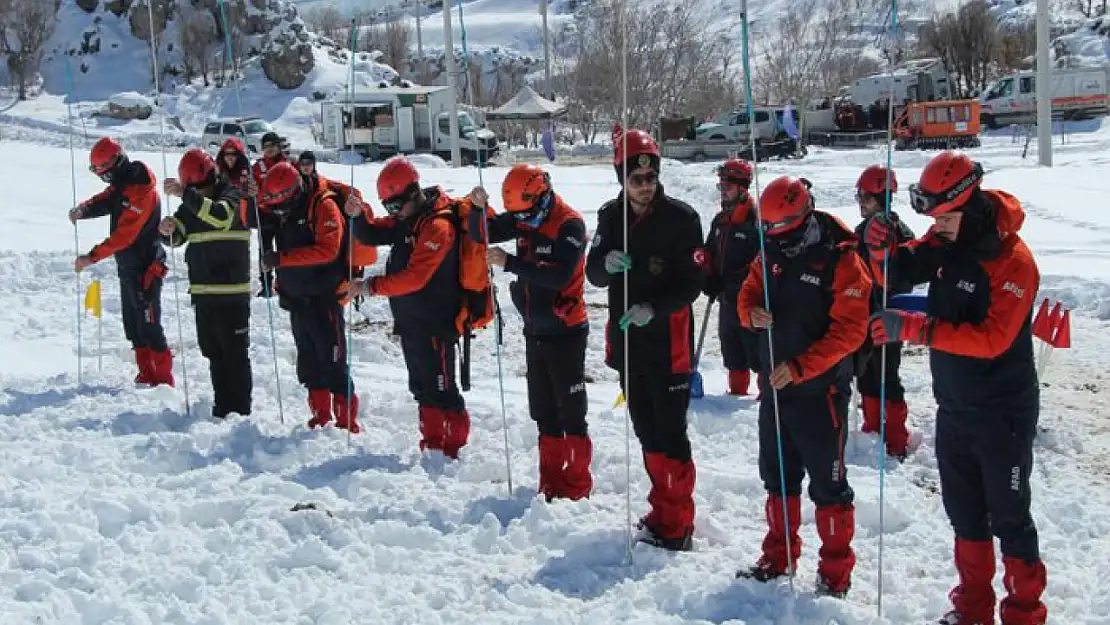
x=117 y=507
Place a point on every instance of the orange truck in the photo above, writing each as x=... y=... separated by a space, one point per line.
x=943 y=124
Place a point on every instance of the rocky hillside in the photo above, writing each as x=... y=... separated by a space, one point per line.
x=102 y=41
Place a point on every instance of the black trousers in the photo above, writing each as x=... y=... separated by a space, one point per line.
x=557 y=383
x=739 y=345
x=269 y=236
x=141 y=310
x=223 y=334
x=431 y=365
x=985 y=458
x=869 y=370
x=319 y=332
x=657 y=404
x=813 y=436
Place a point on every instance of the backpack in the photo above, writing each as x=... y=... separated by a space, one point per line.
x=477 y=305
x=361 y=255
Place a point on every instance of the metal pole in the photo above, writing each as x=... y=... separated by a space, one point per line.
x=1044 y=88
x=420 y=43
x=546 y=54
x=449 y=64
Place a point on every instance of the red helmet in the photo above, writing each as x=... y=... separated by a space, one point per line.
x=784 y=204
x=281 y=185
x=106 y=154
x=524 y=186
x=396 y=177
x=196 y=168
x=640 y=143
x=736 y=170
x=946 y=183
x=873 y=181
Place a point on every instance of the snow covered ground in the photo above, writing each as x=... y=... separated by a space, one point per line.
x=116 y=507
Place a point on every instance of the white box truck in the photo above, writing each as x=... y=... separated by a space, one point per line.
x=1076 y=94
x=402 y=120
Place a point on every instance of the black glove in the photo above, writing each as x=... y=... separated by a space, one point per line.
x=269 y=260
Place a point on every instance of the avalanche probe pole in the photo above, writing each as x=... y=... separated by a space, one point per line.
x=498 y=322
x=766 y=292
x=165 y=169
x=76 y=238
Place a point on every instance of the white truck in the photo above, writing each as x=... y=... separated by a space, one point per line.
x=846 y=119
x=402 y=120
x=1079 y=93
x=730 y=136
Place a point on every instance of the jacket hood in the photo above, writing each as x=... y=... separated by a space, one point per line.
x=1009 y=215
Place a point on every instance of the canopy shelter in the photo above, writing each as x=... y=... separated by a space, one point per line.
x=526 y=105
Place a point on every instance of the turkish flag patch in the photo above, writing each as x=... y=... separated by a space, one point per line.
x=699 y=257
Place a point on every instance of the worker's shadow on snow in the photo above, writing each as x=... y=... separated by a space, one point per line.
x=130 y=422
x=328 y=474
x=21 y=403
x=504 y=510
x=747 y=601
x=589 y=570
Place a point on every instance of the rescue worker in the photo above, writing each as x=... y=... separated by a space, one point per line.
x=871 y=193
x=219 y=260
x=233 y=164
x=134 y=209
x=422 y=283
x=549 y=266
x=732 y=243
x=273 y=152
x=665 y=274
x=310 y=284
x=350 y=199
x=982 y=283
x=818 y=318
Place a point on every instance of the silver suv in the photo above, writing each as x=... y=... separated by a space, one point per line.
x=249 y=130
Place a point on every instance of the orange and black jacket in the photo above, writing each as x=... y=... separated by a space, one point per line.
x=258 y=172
x=980 y=307
x=219 y=252
x=550 y=266
x=309 y=241
x=819 y=301
x=422 y=273
x=667 y=272
x=132 y=204
x=730 y=247
x=899 y=283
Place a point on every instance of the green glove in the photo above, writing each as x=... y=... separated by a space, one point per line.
x=617 y=261
x=639 y=314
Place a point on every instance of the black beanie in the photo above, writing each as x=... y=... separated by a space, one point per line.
x=307 y=155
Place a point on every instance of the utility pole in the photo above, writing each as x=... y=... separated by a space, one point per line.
x=1044 y=88
x=419 y=40
x=449 y=65
x=546 y=54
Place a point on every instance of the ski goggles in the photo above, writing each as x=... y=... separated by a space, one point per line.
x=394 y=204
x=933 y=204
x=535 y=216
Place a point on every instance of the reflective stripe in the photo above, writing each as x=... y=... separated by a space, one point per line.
x=205 y=214
x=178 y=236
x=219 y=289
x=233 y=235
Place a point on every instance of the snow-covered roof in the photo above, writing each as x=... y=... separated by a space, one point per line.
x=527 y=104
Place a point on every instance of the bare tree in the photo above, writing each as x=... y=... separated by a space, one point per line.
x=395 y=40
x=673 y=68
x=804 y=56
x=197 y=33
x=327 y=22
x=25 y=26
x=974 y=46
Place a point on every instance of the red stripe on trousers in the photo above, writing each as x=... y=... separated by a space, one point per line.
x=680 y=341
